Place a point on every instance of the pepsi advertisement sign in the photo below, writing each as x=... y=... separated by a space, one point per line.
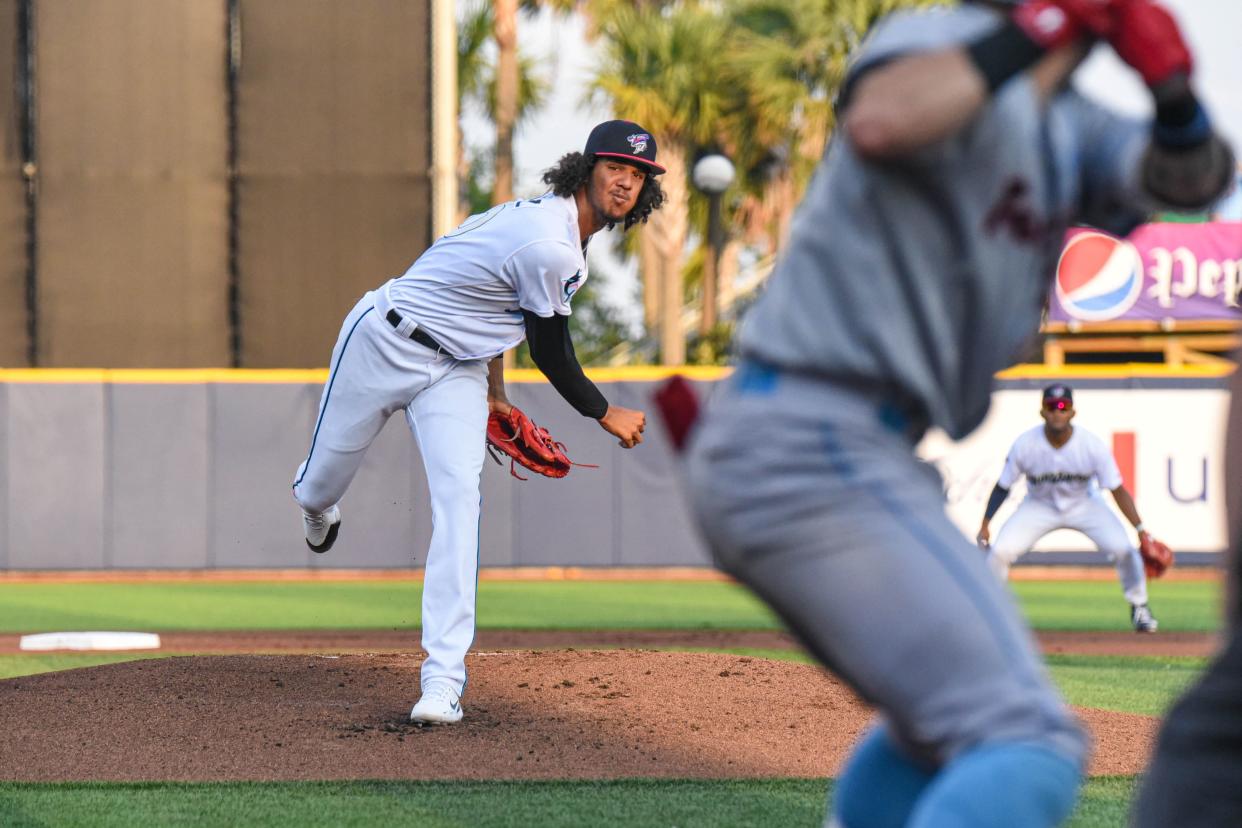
x=1161 y=271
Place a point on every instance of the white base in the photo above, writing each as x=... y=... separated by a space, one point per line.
x=91 y=641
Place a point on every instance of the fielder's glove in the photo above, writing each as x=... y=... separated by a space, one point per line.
x=1156 y=556
x=526 y=444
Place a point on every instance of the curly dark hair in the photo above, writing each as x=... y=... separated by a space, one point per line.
x=573 y=171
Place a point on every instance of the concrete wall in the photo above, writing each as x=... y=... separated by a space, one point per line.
x=118 y=474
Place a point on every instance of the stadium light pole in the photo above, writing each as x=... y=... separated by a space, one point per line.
x=712 y=175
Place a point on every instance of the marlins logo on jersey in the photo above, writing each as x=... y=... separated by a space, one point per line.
x=1098 y=276
x=570 y=286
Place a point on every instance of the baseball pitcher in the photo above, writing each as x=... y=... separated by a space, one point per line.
x=429 y=344
x=917 y=267
x=1066 y=468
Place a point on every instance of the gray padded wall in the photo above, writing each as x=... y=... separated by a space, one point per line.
x=158 y=471
x=561 y=522
x=55 y=452
x=387 y=504
x=5 y=523
x=648 y=491
x=198 y=475
x=259 y=434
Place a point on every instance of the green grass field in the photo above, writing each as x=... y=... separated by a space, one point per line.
x=740 y=802
x=1144 y=685
x=1052 y=605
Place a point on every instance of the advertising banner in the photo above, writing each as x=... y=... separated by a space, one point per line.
x=1168 y=444
x=1161 y=271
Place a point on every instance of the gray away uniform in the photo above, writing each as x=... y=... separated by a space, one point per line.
x=905 y=286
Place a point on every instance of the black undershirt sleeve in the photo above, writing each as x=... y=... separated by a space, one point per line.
x=994 y=502
x=553 y=353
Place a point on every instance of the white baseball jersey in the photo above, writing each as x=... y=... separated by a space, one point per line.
x=469 y=288
x=468 y=291
x=1061 y=477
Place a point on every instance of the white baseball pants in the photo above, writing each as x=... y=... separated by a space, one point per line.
x=375 y=373
x=1033 y=519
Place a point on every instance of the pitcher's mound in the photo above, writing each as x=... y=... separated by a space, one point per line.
x=564 y=714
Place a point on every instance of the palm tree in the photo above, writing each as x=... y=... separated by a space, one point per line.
x=509 y=82
x=662 y=67
x=754 y=77
x=789 y=60
x=473 y=80
x=505 y=35
x=479 y=80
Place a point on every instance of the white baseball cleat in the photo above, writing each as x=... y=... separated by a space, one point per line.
x=321 y=528
x=1142 y=619
x=439 y=704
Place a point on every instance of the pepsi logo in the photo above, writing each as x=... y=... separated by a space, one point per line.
x=1098 y=277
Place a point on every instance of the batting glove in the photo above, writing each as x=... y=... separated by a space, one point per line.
x=1048 y=23
x=1147 y=37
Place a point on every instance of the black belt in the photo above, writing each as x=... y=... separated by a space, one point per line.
x=418 y=335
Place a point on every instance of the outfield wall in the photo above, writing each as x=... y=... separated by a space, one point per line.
x=1167 y=436
x=192 y=469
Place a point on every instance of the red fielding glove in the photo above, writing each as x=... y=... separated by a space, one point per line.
x=1157 y=557
x=526 y=444
x=1147 y=37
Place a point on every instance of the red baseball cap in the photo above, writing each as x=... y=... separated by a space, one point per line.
x=625 y=140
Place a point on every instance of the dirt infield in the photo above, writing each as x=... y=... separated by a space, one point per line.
x=551 y=714
x=301 y=705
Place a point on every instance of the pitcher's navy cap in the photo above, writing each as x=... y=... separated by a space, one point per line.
x=625 y=140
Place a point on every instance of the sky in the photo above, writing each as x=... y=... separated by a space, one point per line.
x=1213 y=29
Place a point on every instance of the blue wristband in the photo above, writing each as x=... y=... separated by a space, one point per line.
x=1181 y=125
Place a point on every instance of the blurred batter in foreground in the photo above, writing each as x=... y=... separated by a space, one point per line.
x=917 y=268
x=1195 y=778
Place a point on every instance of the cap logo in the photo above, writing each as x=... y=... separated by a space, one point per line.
x=639 y=141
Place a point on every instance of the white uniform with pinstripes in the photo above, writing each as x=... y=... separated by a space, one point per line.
x=467 y=291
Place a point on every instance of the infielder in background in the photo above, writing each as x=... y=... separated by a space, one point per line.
x=917 y=267
x=429 y=343
x=1195 y=777
x=1065 y=469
